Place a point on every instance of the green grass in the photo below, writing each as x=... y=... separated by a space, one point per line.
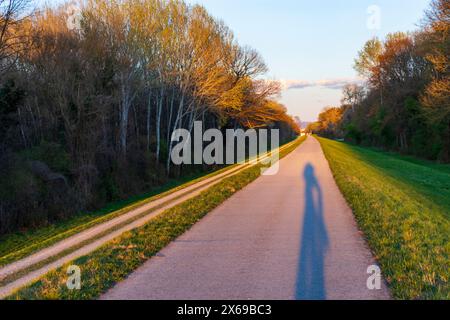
x=403 y=207
x=16 y=246
x=114 y=261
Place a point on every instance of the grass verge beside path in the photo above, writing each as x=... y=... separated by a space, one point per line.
x=114 y=261
x=16 y=246
x=403 y=207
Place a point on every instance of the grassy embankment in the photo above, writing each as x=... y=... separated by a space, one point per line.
x=403 y=207
x=16 y=246
x=115 y=260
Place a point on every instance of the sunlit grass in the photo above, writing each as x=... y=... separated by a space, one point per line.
x=403 y=207
x=21 y=244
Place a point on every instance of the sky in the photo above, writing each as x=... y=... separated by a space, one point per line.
x=310 y=45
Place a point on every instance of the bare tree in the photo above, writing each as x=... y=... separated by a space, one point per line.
x=12 y=31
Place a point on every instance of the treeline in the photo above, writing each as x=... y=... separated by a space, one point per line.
x=89 y=98
x=405 y=104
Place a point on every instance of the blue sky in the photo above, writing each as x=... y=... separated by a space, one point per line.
x=310 y=41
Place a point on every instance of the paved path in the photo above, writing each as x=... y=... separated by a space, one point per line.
x=36 y=265
x=287 y=236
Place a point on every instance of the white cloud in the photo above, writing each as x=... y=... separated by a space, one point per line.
x=336 y=84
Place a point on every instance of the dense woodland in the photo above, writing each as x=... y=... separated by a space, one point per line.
x=90 y=94
x=405 y=103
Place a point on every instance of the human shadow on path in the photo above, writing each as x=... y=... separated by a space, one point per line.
x=314 y=242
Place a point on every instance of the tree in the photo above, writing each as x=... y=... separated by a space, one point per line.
x=328 y=123
x=368 y=59
x=352 y=94
x=437 y=95
x=96 y=105
x=13 y=30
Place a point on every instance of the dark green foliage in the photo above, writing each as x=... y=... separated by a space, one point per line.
x=10 y=97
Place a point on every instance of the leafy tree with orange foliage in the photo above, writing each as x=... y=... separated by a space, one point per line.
x=405 y=102
x=329 y=123
x=436 y=97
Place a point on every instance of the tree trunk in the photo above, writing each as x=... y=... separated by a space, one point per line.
x=22 y=132
x=158 y=123
x=124 y=113
x=446 y=151
x=149 y=110
x=169 y=122
x=180 y=110
x=136 y=124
